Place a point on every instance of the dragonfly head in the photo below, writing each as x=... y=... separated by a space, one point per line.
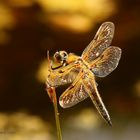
x=61 y=57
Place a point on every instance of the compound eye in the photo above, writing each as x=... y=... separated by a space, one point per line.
x=57 y=57
x=61 y=57
x=65 y=54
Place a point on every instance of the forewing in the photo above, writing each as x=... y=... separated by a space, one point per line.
x=101 y=41
x=61 y=76
x=74 y=94
x=107 y=62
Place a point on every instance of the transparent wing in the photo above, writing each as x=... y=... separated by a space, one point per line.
x=83 y=86
x=74 y=94
x=101 y=41
x=62 y=75
x=107 y=62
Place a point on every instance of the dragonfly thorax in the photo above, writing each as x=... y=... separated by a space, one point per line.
x=82 y=62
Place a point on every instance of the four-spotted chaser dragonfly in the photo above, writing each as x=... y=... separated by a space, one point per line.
x=98 y=59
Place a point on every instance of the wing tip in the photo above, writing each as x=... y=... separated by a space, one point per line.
x=61 y=103
x=108 y=23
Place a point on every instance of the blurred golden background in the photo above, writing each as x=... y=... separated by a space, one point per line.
x=28 y=28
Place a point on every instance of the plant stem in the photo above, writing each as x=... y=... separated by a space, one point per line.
x=52 y=94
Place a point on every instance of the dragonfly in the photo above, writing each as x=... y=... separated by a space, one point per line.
x=98 y=59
